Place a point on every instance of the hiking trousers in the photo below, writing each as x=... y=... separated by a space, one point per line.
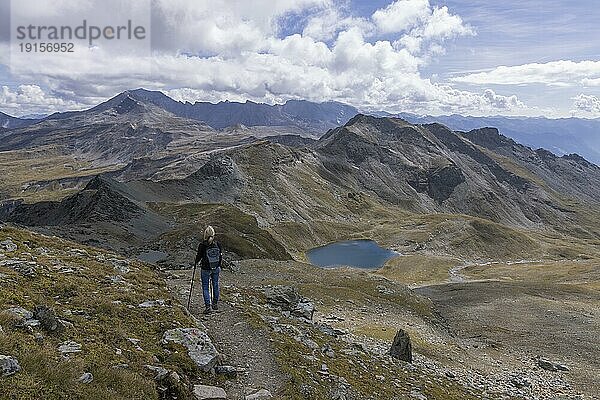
x=210 y=277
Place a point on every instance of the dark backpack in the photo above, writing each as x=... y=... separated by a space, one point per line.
x=213 y=256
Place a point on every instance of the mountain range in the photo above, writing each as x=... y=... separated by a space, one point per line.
x=561 y=136
x=153 y=156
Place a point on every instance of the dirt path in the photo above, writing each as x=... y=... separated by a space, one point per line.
x=241 y=344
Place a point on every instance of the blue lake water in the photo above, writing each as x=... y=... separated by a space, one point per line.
x=353 y=253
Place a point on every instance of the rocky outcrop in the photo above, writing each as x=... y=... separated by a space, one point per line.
x=401 y=346
x=304 y=310
x=199 y=346
x=289 y=301
x=9 y=365
x=285 y=297
x=8 y=245
x=438 y=183
x=26 y=268
x=69 y=347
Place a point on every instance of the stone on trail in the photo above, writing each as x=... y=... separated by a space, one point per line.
x=204 y=392
x=9 y=365
x=229 y=371
x=401 y=347
x=199 y=346
x=261 y=394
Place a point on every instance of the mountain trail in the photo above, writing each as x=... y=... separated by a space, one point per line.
x=242 y=345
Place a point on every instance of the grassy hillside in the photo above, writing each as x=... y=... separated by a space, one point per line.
x=98 y=296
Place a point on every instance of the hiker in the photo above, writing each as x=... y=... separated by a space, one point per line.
x=210 y=257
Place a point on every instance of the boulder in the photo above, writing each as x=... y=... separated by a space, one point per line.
x=261 y=394
x=159 y=372
x=304 y=310
x=199 y=346
x=19 y=313
x=285 y=297
x=8 y=246
x=9 y=365
x=401 y=347
x=121 y=266
x=204 y=392
x=86 y=378
x=551 y=366
x=48 y=320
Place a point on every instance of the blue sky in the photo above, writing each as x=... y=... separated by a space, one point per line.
x=430 y=57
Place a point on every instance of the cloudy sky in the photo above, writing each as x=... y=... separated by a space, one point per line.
x=476 y=57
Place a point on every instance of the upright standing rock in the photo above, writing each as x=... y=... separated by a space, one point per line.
x=401 y=347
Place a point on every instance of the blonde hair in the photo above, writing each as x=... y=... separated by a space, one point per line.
x=209 y=233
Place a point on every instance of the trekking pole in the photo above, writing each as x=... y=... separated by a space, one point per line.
x=191 y=287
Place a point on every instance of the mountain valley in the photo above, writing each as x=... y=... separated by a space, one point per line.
x=498 y=247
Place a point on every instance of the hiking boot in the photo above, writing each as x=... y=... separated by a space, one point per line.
x=215 y=307
x=207 y=310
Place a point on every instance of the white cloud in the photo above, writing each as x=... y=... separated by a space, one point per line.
x=326 y=24
x=556 y=73
x=587 y=104
x=441 y=24
x=234 y=49
x=419 y=23
x=502 y=102
x=401 y=15
x=590 y=82
x=27 y=99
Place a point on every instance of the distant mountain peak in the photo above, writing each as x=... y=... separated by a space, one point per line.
x=129 y=103
x=488 y=137
x=379 y=122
